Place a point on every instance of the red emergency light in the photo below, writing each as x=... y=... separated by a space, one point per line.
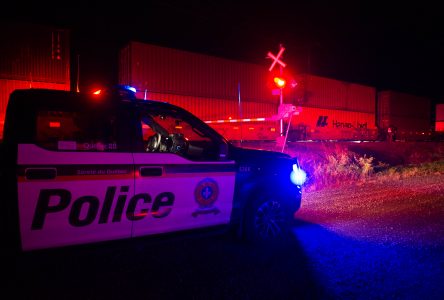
x=54 y=124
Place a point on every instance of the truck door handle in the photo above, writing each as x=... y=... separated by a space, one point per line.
x=151 y=171
x=40 y=173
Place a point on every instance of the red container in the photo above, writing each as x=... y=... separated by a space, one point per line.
x=329 y=93
x=34 y=53
x=8 y=86
x=171 y=71
x=439 y=112
x=410 y=123
x=408 y=128
x=329 y=124
x=215 y=109
x=248 y=131
x=392 y=103
x=409 y=114
x=210 y=87
x=309 y=124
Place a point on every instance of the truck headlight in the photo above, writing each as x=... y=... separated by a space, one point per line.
x=298 y=176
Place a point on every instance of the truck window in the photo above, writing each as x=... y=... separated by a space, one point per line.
x=168 y=131
x=76 y=131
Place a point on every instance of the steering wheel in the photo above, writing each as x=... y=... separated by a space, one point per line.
x=179 y=143
x=154 y=143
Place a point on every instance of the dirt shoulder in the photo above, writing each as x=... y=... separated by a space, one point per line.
x=407 y=210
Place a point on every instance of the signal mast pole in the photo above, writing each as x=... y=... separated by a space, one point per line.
x=281 y=99
x=277 y=60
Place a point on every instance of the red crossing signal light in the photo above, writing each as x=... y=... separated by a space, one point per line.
x=279 y=82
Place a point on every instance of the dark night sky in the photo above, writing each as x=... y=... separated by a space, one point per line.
x=389 y=46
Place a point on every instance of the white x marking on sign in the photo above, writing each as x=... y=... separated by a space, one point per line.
x=276 y=59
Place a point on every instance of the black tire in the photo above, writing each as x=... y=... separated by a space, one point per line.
x=268 y=220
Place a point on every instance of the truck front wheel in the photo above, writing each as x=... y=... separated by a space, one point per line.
x=267 y=220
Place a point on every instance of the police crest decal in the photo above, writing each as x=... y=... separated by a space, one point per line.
x=205 y=194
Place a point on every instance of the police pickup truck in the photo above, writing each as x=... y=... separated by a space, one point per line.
x=85 y=168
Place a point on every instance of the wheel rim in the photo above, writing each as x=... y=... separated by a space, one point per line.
x=269 y=220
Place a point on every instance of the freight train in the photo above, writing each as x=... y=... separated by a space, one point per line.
x=238 y=99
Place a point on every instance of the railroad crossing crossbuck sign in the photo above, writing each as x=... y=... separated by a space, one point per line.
x=276 y=59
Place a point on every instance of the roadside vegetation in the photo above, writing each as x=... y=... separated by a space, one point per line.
x=335 y=164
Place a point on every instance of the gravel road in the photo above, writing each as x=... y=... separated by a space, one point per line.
x=381 y=240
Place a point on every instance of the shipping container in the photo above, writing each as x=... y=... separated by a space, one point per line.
x=392 y=103
x=410 y=123
x=408 y=128
x=234 y=120
x=307 y=124
x=170 y=71
x=409 y=115
x=32 y=56
x=248 y=130
x=215 y=109
x=31 y=52
x=8 y=86
x=329 y=93
x=439 y=112
x=328 y=124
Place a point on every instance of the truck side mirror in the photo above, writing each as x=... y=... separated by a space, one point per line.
x=223 y=151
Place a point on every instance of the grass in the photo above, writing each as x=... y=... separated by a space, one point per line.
x=335 y=164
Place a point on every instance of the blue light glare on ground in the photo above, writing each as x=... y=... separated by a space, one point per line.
x=355 y=268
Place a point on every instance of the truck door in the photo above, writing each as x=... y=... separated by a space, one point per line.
x=74 y=180
x=180 y=181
